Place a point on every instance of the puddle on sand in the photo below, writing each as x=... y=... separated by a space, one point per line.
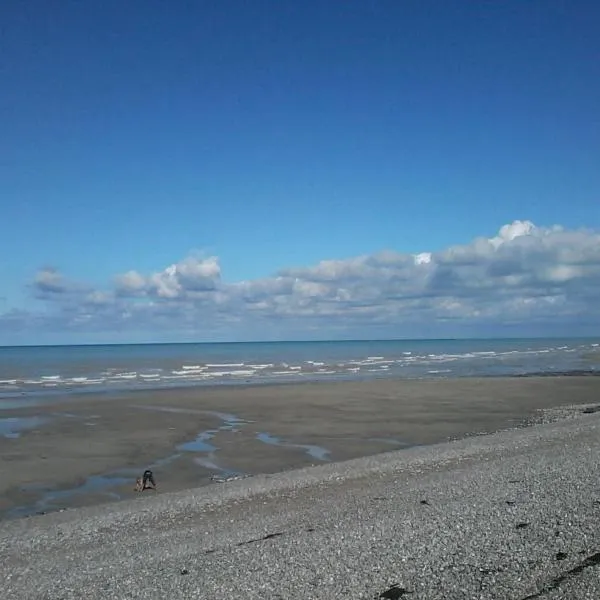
x=316 y=452
x=53 y=500
x=10 y=403
x=200 y=444
x=231 y=423
x=11 y=427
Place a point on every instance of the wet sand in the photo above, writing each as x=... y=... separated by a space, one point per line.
x=509 y=516
x=83 y=450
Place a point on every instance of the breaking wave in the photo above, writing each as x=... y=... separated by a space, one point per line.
x=447 y=360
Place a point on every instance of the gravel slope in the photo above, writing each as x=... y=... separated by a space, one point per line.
x=513 y=515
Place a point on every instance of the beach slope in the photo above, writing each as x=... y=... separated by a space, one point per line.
x=513 y=515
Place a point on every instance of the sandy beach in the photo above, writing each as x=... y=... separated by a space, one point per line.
x=72 y=451
x=512 y=515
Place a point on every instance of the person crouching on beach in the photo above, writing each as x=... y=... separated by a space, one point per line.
x=145 y=482
x=148 y=482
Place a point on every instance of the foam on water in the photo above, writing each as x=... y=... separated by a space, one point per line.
x=54 y=371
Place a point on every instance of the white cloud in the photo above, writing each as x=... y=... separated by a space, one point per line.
x=524 y=274
x=422 y=258
x=49 y=280
x=511 y=231
x=177 y=280
x=130 y=283
x=99 y=298
x=50 y=284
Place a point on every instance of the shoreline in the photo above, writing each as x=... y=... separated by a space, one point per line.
x=412 y=462
x=89 y=452
x=507 y=515
x=302 y=380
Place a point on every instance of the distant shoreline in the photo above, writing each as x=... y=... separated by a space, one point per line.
x=51 y=370
x=213 y=385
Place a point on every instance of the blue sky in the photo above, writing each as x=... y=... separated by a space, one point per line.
x=273 y=135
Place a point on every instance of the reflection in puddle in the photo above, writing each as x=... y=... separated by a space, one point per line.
x=230 y=422
x=11 y=427
x=200 y=444
x=10 y=403
x=52 y=500
x=107 y=485
x=315 y=451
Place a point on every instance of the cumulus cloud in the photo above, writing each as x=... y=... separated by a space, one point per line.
x=524 y=274
x=49 y=281
x=177 y=280
x=50 y=284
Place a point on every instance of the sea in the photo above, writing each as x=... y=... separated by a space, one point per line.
x=50 y=370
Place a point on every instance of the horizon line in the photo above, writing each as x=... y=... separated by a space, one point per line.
x=316 y=341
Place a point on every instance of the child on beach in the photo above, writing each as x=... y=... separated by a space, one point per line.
x=146 y=482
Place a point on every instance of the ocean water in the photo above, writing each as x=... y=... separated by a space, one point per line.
x=50 y=370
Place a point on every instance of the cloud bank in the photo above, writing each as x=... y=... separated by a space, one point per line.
x=524 y=277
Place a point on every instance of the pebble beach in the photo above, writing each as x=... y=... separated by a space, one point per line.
x=510 y=515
